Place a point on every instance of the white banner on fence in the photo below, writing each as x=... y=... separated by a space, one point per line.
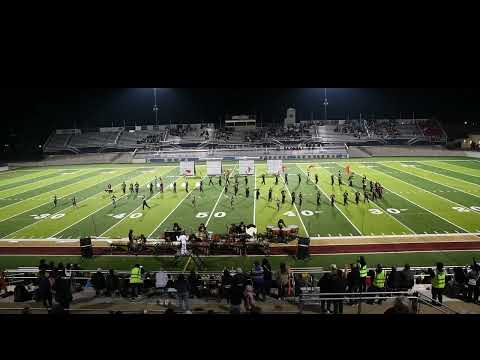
x=214 y=168
x=246 y=167
x=187 y=168
x=274 y=167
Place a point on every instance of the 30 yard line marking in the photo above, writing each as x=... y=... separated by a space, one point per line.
x=323 y=192
x=420 y=206
x=441 y=197
x=448 y=176
x=220 y=196
x=171 y=212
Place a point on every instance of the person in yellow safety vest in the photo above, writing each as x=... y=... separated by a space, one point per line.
x=438 y=282
x=378 y=283
x=362 y=265
x=135 y=280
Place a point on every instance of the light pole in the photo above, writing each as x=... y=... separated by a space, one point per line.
x=325 y=104
x=155 y=107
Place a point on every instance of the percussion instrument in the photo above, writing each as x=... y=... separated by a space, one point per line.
x=171 y=235
x=276 y=231
x=293 y=229
x=269 y=230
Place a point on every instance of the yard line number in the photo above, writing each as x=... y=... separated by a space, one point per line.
x=122 y=215
x=465 y=209
x=219 y=214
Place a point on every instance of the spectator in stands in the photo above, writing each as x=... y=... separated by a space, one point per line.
x=111 y=283
x=135 y=280
x=20 y=293
x=325 y=285
x=194 y=281
x=393 y=279
x=378 y=284
x=226 y=285
x=44 y=289
x=282 y=281
x=63 y=293
x=460 y=282
x=98 y=282
x=339 y=285
x=353 y=279
x=362 y=265
x=42 y=265
x=406 y=279
x=473 y=283
x=400 y=306
x=183 y=293
x=3 y=283
x=237 y=292
x=438 y=282
x=267 y=276
x=258 y=283
x=249 y=296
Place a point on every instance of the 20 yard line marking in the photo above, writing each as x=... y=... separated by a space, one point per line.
x=431 y=192
x=420 y=206
x=441 y=197
x=171 y=212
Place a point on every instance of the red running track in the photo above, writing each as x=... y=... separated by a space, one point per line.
x=285 y=250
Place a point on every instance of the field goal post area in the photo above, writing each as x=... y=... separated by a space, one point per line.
x=187 y=168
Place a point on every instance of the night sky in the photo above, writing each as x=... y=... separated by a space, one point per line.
x=32 y=114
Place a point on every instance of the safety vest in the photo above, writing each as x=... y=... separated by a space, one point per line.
x=363 y=271
x=438 y=280
x=379 y=280
x=135 y=276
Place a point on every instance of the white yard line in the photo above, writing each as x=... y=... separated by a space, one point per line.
x=393 y=217
x=254 y=192
x=220 y=196
x=52 y=192
x=171 y=212
x=295 y=205
x=421 y=177
x=434 y=163
x=324 y=193
x=50 y=201
x=71 y=206
x=138 y=207
x=414 y=203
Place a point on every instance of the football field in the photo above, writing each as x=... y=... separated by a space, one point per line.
x=421 y=196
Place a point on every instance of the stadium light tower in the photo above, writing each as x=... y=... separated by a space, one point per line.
x=155 y=107
x=325 y=104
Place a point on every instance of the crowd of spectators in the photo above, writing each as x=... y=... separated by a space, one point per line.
x=383 y=129
x=353 y=128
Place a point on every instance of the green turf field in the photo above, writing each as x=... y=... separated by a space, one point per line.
x=422 y=196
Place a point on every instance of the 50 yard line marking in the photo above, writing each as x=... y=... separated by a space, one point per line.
x=295 y=206
x=220 y=196
x=323 y=192
x=171 y=212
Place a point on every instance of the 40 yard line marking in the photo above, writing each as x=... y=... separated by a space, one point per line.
x=323 y=192
x=171 y=212
x=138 y=207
